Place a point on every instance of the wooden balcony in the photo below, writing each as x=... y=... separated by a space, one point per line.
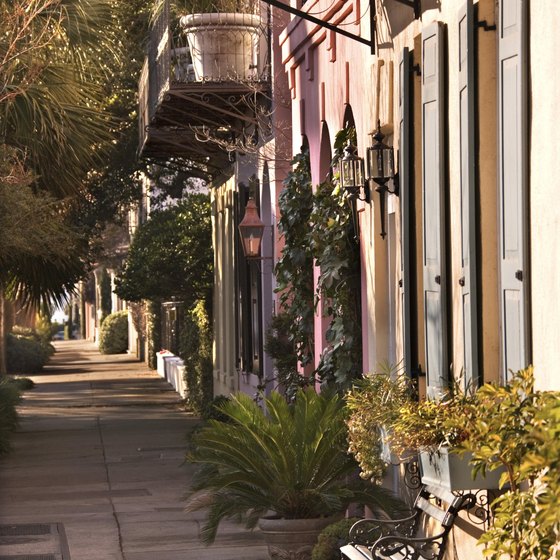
x=190 y=117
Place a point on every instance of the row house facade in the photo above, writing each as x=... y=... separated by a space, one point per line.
x=461 y=284
x=463 y=287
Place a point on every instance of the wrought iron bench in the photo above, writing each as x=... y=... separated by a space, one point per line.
x=401 y=539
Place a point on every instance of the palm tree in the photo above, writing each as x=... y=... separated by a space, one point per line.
x=53 y=129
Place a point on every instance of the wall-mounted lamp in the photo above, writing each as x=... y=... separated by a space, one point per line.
x=352 y=173
x=380 y=169
x=251 y=229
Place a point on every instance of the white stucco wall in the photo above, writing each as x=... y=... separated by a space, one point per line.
x=544 y=41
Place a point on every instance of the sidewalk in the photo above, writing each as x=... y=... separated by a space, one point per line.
x=97 y=469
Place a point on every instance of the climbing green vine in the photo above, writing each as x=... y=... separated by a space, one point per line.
x=294 y=269
x=320 y=227
x=336 y=250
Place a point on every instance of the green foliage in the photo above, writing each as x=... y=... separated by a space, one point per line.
x=517 y=427
x=171 y=255
x=113 y=336
x=280 y=348
x=336 y=250
x=375 y=404
x=213 y=409
x=195 y=349
x=331 y=539
x=320 y=227
x=294 y=269
x=106 y=294
x=292 y=461
x=154 y=332
x=27 y=351
x=429 y=424
x=10 y=396
x=23 y=383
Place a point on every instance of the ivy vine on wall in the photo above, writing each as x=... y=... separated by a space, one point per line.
x=294 y=269
x=335 y=246
x=320 y=228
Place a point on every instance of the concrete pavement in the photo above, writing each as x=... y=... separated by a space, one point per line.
x=97 y=469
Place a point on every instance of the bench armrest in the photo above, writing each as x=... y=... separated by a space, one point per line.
x=408 y=548
x=368 y=531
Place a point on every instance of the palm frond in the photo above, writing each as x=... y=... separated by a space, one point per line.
x=291 y=460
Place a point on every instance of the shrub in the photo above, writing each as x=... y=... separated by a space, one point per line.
x=154 y=332
x=213 y=409
x=331 y=539
x=195 y=349
x=113 y=337
x=10 y=396
x=27 y=351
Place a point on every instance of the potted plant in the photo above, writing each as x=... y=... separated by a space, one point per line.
x=374 y=403
x=286 y=470
x=437 y=429
x=223 y=38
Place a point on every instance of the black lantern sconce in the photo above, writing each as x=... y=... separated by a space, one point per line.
x=352 y=173
x=381 y=169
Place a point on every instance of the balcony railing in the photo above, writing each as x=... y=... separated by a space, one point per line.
x=202 y=87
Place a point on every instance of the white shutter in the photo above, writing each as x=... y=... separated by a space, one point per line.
x=467 y=130
x=433 y=194
x=512 y=184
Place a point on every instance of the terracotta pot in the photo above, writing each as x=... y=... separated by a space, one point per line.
x=223 y=46
x=293 y=539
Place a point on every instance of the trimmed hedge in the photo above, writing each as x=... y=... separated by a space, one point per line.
x=113 y=336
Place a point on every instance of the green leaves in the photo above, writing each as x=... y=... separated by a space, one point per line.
x=319 y=229
x=292 y=461
x=171 y=255
x=294 y=269
x=518 y=427
x=335 y=247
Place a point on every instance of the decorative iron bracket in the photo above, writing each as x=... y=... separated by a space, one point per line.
x=414 y=4
x=317 y=21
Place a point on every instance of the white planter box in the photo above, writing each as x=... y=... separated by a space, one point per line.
x=453 y=472
x=174 y=372
x=160 y=361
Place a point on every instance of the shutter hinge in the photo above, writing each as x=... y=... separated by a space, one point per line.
x=400 y=283
x=519 y=275
x=438 y=279
x=416 y=69
x=486 y=26
x=462 y=281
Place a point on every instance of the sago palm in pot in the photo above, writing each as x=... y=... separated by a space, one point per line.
x=289 y=464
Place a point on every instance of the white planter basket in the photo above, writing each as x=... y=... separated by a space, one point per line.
x=453 y=472
x=223 y=46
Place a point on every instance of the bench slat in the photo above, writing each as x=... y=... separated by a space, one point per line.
x=353 y=552
x=432 y=510
x=441 y=493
